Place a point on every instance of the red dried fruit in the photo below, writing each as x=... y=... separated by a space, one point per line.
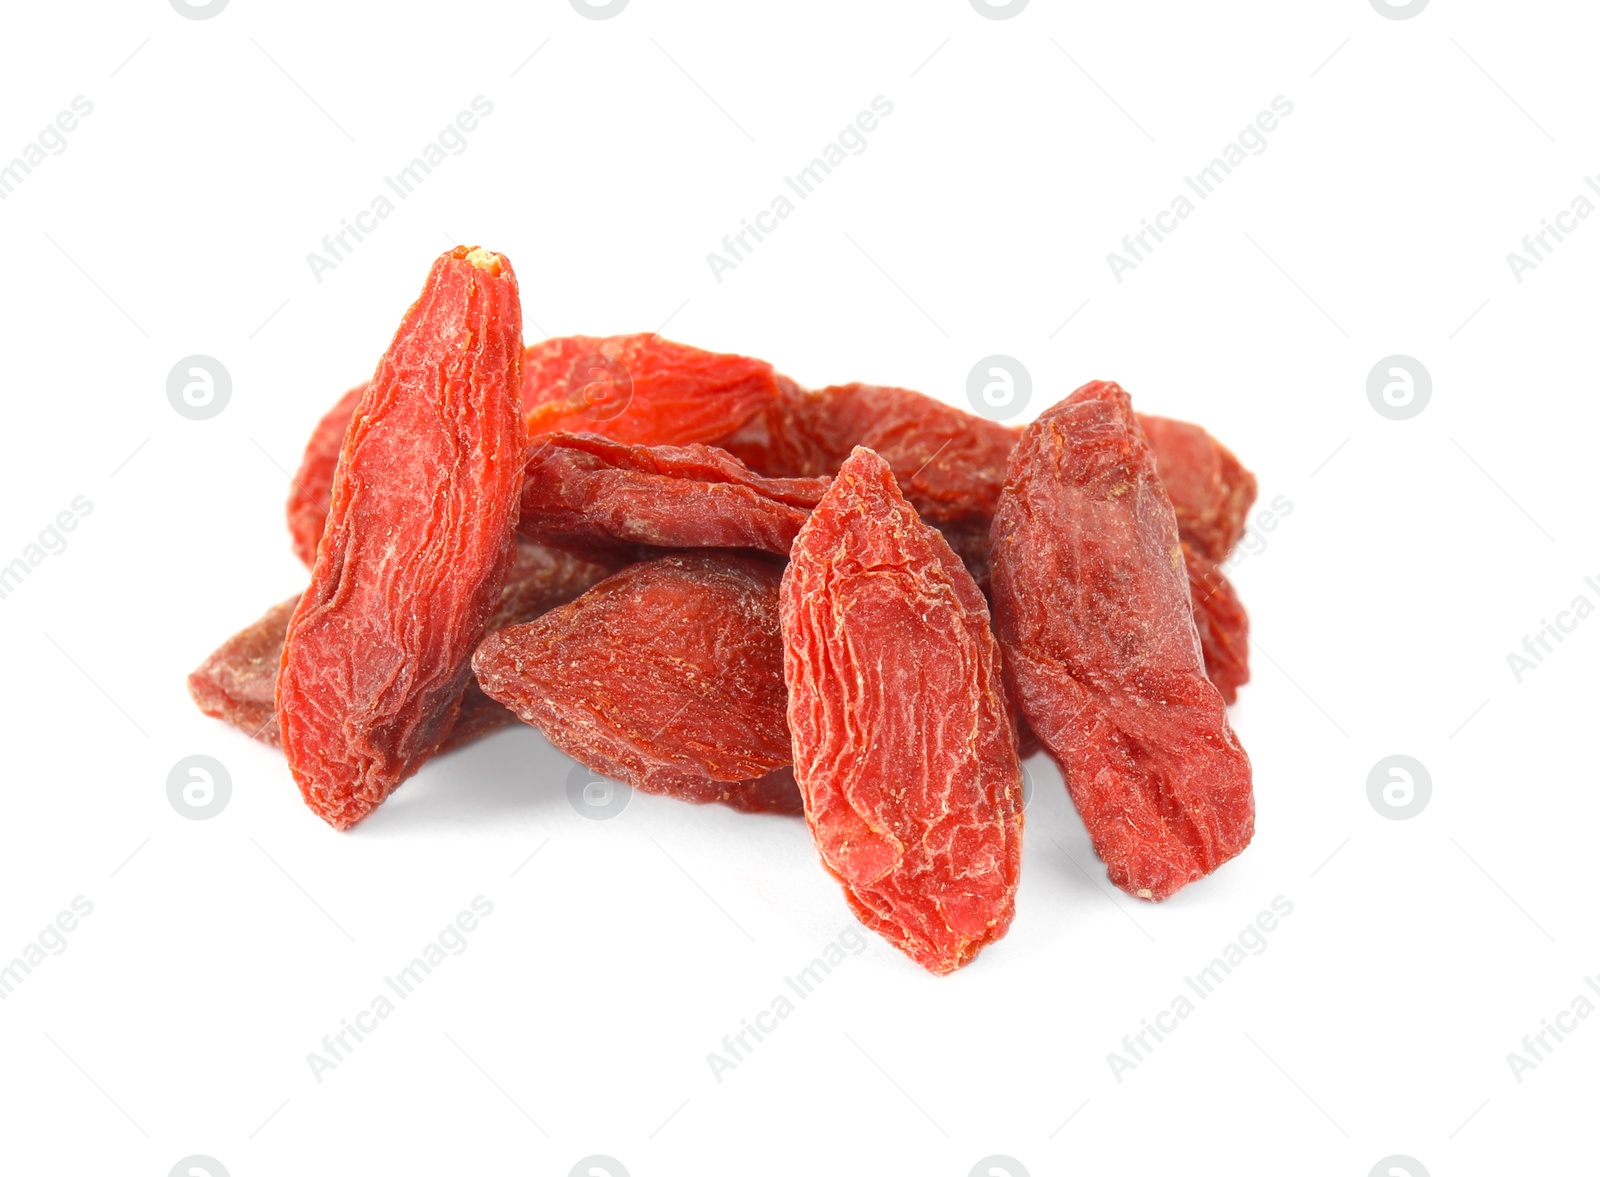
x=1211 y=496
x=238 y=682
x=1223 y=625
x=1224 y=637
x=312 y=484
x=903 y=740
x=776 y=792
x=543 y=576
x=1027 y=743
x=950 y=464
x=417 y=545
x=811 y=433
x=1211 y=491
x=641 y=389
x=969 y=539
x=668 y=676
x=771 y=441
x=584 y=489
x=1093 y=609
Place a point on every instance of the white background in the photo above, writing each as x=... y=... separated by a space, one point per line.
x=1416 y=556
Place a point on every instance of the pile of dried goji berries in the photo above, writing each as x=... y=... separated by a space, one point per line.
x=699 y=578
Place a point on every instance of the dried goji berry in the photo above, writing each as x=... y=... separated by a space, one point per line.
x=585 y=489
x=1027 y=743
x=1224 y=637
x=1211 y=491
x=238 y=682
x=1093 y=609
x=809 y=433
x=950 y=464
x=641 y=389
x=543 y=576
x=773 y=440
x=312 y=484
x=419 y=538
x=1211 y=494
x=776 y=792
x=969 y=539
x=903 y=741
x=1218 y=614
x=1223 y=624
x=668 y=676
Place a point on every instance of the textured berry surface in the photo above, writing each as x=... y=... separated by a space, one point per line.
x=543 y=576
x=312 y=485
x=667 y=676
x=1211 y=491
x=585 y=489
x=238 y=682
x=903 y=740
x=1223 y=625
x=950 y=464
x=1092 y=606
x=641 y=389
x=419 y=538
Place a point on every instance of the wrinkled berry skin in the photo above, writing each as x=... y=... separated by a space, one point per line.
x=667 y=676
x=1092 y=605
x=903 y=740
x=641 y=389
x=638 y=389
x=312 y=485
x=419 y=538
x=588 y=490
x=238 y=683
x=949 y=463
x=1211 y=491
x=1222 y=622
